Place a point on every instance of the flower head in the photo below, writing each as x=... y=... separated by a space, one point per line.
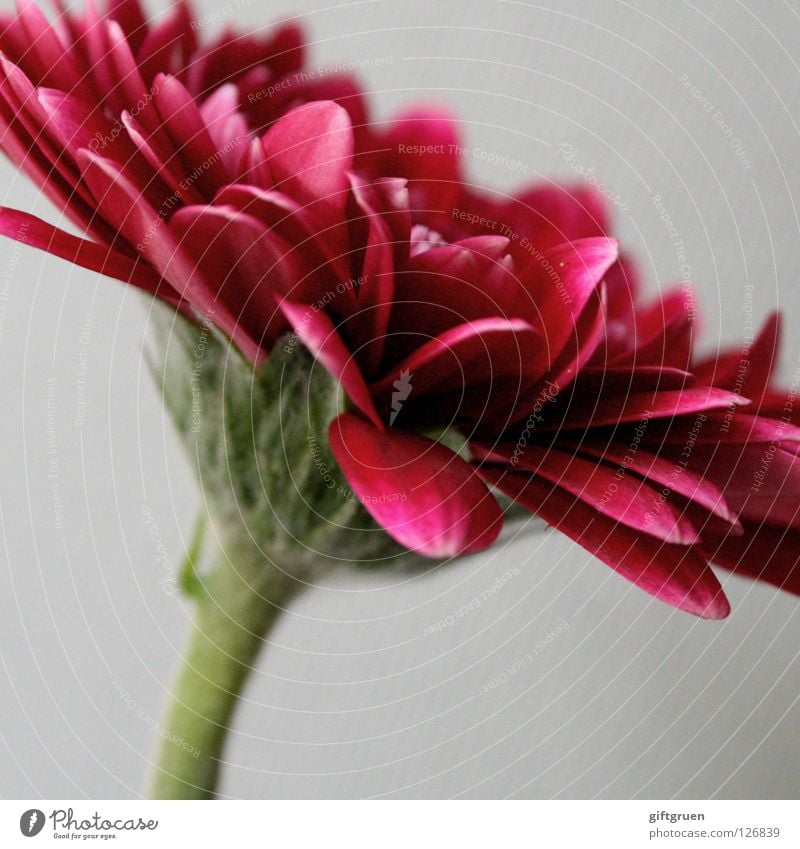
x=132 y=129
x=485 y=344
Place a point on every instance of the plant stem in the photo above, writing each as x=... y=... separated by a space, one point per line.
x=238 y=602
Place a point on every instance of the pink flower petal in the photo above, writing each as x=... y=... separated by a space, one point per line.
x=290 y=223
x=374 y=269
x=232 y=57
x=21 y=149
x=94 y=43
x=317 y=332
x=675 y=574
x=388 y=197
x=561 y=282
x=247 y=264
x=423 y=494
x=160 y=153
x=124 y=207
x=733 y=426
x=131 y=87
x=423 y=146
x=227 y=126
x=646 y=405
x=589 y=334
x=760 y=482
x=624 y=498
x=446 y=286
x=662 y=470
x=472 y=366
x=130 y=17
x=663 y=333
x=22 y=99
x=33 y=231
x=747 y=369
x=765 y=552
x=294 y=89
x=167 y=45
x=624 y=379
x=310 y=153
x=202 y=160
x=549 y=215
x=51 y=56
x=77 y=125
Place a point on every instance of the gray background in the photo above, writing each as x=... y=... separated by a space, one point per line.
x=351 y=699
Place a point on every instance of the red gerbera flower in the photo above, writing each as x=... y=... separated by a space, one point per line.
x=654 y=461
x=483 y=343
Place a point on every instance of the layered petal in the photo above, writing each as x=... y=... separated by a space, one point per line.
x=424 y=495
x=764 y=552
x=476 y=371
x=310 y=154
x=423 y=145
x=562 y=282
x=639 y=406
x=39 y=234
x=320 y=336
x=625 y=498
x=676 y=574
x=142 y=226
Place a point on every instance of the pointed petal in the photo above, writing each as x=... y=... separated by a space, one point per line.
x=675 y=574
x=624 y=498
x=646 y=405
x=764 y=553
x=673 y=477
x=423 y=145
x=663 y=333
x=33 y=231
x=20 y=148
x=446 y=286
x=469 y=368
x=733 y=426
x=423 y=494
x=227 y=126
x=748 y=369
x=46 y=50
x=374 y=269
x=247 y=264
x=22 y=99
x=169 y=44
x=549 y=215
x=131 y=87
x=160 y=153
x=317 y=332
x=561 y=282
x=624 y=379
x=762 y=483
x=77 y=125
x=290 y=223
x=123 y=206
x=310 y=152
x=203 y=161
x=589 y=334
x=130 y=17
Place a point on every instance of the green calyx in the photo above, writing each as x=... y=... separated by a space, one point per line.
x=257 y=437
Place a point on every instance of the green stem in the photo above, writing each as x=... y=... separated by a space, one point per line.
x=237 y=603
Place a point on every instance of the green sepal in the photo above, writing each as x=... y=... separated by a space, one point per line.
x=190 y=578
x=257 y=438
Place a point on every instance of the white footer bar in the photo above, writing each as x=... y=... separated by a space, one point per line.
x=403 y=824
